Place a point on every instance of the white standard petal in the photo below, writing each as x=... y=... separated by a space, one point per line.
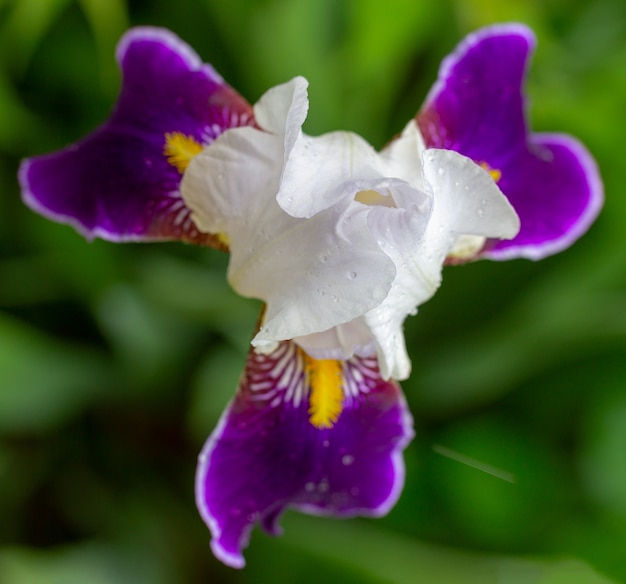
x=465 y=201
x=319 y=168
x=302 y=268
x=403 y=158
x=417 y=278
x=305 y=272
x=282 y=110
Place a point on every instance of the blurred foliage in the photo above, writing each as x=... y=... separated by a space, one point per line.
x=116 y=361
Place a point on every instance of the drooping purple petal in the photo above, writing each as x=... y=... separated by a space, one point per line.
x=117 y=183
x=477 y=108
x=265 y=454
x=555 y=189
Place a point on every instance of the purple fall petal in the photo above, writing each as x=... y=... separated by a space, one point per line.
x=117 y=183
x=477 y=108
x=265 y=455
x=556 y=190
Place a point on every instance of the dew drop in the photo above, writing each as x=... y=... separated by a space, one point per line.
x=324 y=259
x=351 y=275
x=441 y=171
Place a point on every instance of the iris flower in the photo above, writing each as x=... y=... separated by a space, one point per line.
x=339 y=241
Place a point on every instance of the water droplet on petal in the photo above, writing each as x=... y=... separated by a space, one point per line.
x=351 y=275
x=441 y=171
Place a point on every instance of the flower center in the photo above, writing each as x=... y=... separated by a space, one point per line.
x=325 y=380
x=180 y=149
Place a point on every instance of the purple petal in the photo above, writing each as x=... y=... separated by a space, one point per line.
x=478 y=109
x=265 y=455
x=117 y=183
x=557 y=193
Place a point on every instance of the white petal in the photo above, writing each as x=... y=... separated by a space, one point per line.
x=340 y=342
x=302 y=268
x=417 y=278
x=282 y=109
x=305 y=273
x=403 y=157
x=466 y=247
x=318 y=170
x=233 y=180
x=467 y=200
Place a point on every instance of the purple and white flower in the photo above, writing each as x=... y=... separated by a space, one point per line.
x=339 y=241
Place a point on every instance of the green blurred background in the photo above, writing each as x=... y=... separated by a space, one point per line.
x=116 y=361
